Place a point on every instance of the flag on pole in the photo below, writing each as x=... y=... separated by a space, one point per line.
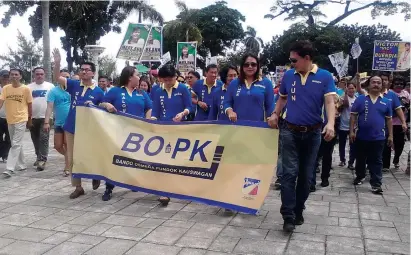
x=356 y=49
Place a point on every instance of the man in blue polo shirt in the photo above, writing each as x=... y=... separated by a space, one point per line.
x=202 y=92
x=305 y=89
x=374 y=113
x=81 y=92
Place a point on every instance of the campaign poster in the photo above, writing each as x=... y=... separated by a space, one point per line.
x=391 y=56
x=186 y=56
x=139 y=39
x=153 y=48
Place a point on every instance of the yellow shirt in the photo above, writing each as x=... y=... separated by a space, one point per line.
x=16 y=101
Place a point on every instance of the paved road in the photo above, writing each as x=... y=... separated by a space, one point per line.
x=37 y=217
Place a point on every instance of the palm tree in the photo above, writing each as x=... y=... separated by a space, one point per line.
x=145 y=11
x=45 y=15
x=253 y=43
x=184 y=26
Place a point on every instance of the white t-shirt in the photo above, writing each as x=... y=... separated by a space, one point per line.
x=39 y=92
x=3 y=109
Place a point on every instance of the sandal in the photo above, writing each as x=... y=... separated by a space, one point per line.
x=164 y=201
x=66 y=172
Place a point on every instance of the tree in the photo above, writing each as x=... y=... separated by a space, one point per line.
x=220 y=26
x=326 y=41
x=83 y=22
x=310 y=10
x=107 y=66
x=253 y=43
x=27 y=56
x=45 y=13
x=144 y=10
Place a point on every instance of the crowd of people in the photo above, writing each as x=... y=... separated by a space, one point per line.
x=310 y=108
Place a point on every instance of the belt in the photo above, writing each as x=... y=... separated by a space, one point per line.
x=303 y=129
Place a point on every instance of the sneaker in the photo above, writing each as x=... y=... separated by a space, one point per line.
x=385 y=170
x=376 y=190
x=8 y=173
x=396 y=165
x=41 y=165
x=288 y=226
x=277 y=184
x=342 y=163
x=299 y=219
x=325 y=183
x=96 y=184
x=79 y=191
x=351 y=166
x=107 y=195
x=312 y=188
x=36 y=163
x=358 y=181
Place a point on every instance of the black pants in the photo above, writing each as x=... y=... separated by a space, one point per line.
x=40 y=139
x=343 y=134
x=5 y=142
x=109 y=186
x=399 y=142
x=369 y=152
x=325 y=154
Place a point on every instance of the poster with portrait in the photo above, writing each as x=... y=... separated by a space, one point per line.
x=391 y=56
x=153 y=48
x=186 y=56
x=139 y=39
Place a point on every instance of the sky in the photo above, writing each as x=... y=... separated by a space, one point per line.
x=253 y=10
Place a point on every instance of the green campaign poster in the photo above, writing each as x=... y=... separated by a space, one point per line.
x=186 y=56
x=141 y=42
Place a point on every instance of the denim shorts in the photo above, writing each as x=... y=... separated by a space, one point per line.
x=58 y=130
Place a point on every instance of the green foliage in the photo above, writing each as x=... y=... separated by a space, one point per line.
x=310 y=11
x=27 y=56
x=84 y=22
x=253 y=43
x=328 y=40
x=107 y=66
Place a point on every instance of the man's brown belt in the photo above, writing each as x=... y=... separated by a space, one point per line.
x=303 y=129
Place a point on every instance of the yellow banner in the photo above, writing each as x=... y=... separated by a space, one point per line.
x=216 y=163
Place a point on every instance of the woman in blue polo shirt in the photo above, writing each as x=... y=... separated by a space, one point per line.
x=249 y=97
x=227 y=75
x=126 y=98
x=171 y=102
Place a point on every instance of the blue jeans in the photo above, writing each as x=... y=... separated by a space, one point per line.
x=299 y=153
x=369 y=152
x=343 y=134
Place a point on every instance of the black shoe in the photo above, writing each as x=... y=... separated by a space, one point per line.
x=299 y=219
x=351 y=166
x=312 y=188
x=288 y=226
x=358 y=181
x=95 y=184
x=107 y=195
x=376 y=190
x=325 y=183
x=396 y=165
x=342 y=163
x=277 y=184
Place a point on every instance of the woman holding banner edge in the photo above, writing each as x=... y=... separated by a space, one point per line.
x=126 y=98
x=171 y=102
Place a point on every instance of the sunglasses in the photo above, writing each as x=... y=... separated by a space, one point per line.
x=293 y=60
x=252 y=64
x=189 y=77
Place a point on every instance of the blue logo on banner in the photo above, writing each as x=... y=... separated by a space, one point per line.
x=250 y=186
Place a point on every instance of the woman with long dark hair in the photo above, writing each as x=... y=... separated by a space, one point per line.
x=126 y=98
x=249 y=97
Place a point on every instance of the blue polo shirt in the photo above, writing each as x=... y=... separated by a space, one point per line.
x=79 y=95
x=61 y=104
x=305 y=95
x=371 y=117
x=204 y=93
x=394 y=100
x=216 y=111
x=136 y=102
x=167 y=104
x=253 y=101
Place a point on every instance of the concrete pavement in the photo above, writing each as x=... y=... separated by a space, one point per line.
x=37 y=217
